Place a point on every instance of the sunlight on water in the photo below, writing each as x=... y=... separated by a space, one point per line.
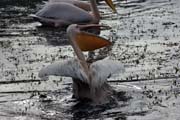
x=145 y=36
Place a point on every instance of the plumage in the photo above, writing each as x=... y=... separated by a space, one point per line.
x=57 y=14
x=68 y=68
x=65 y=12
x=81 y=4
x=99 y=70
x=103 y=69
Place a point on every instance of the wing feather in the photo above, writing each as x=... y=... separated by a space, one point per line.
x=69 y=68
x=102 y=69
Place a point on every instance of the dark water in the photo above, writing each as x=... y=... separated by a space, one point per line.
x=146 y=37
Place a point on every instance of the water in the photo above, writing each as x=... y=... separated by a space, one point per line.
x=146 y=36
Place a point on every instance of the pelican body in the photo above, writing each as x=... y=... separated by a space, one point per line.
x=80 y=4
x=89 y=79
x=57 y=14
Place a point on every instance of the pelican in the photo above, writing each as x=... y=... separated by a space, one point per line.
x=58 y=14
x=89 y=78
x=81 y=4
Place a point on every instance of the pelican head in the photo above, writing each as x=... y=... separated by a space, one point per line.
x=83 y=41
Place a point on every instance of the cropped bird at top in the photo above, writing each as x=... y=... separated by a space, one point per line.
x=80 y=4
x=58 y=14
x=89 y=78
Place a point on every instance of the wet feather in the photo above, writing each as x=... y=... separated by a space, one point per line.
x=99 y=70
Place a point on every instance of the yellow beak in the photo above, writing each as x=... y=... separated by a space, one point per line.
x=90 y=42
x=111 y=5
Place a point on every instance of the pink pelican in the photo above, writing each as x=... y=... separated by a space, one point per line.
x=57 y=14
x=89 y=78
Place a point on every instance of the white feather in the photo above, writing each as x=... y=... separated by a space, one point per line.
x=102 y=69
x=69 y=68
x=99 y=70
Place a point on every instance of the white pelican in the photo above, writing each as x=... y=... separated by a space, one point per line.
x=57 y=14
x=89 y=79
x=81 y=4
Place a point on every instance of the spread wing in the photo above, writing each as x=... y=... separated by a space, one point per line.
x=103 y=69
x=69 y=68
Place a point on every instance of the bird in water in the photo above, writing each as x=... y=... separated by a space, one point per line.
x=89 y=77
x=80 y=4
x=60 y=14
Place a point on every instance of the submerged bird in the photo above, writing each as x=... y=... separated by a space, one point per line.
x=89 y=78
x=57 y=14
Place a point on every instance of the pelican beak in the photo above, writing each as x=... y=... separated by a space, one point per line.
x=96 y=26
x=111 y=5
x=89 y=42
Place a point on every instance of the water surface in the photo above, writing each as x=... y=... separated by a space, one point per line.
x=146 y=37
